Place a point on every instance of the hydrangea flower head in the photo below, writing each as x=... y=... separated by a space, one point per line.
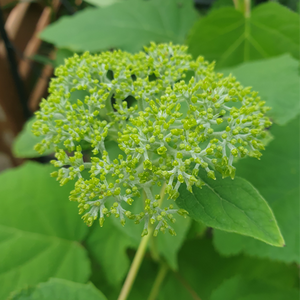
x=170 y=116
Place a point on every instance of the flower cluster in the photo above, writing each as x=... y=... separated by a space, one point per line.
x=170 y=116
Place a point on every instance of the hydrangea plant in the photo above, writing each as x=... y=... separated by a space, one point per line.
x=170 y=116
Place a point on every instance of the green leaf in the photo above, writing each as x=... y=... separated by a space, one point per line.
x=102 y=3
x=61 y=55
x=221 y=3
x=276 y=79
x=239 y=288
x=108 y=246
x=202 y=270
x=226 y=36
x=231 y=205
x=25 y=142
x=128 y=26
x=40 y=231
x=44 y=60
x=60 y=289
x=197 y=229
x=277 y=177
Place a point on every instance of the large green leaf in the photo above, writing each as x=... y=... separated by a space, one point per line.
x=238 y=288
x=226 y=36
x=277 y=80
x=231 y=205
x=60 y=289
x=125 y=25
x=277 y=178
x=40 y=231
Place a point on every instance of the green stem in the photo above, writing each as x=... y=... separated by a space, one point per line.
x=236 y=4
x=163 y=270
x=244 y=6
x=247 y=8
x=138 y=258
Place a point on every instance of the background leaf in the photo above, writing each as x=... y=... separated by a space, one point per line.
x=239 y=288
x=226 y=36
x=277 y=178
x=277 y=80
x=108 y=245
x=231 y=205
x=202 y=270
x=60 y=289
x=40 y=231
x=102 y=3
x=168 y=245
x=25 y=141
x=125 y=25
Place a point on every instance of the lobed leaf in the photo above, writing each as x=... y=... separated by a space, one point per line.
x=40 y=232
x=59 y=289
x=226 y=36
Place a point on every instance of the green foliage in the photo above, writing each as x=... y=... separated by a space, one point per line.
x=277 y=80
x=226 y=36
x=127 y=25
x=39 y=236
x=109 y=249
x=23 y=146
x=202 y=270
x=221 y=3
x=240 y=289
x=60 y=289
x=115 y=114
x=102 y=3
x=277 y=178
x=234 y=206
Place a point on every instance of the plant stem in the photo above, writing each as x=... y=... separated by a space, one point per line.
x=244 y=6
x=236 y=4
x=135 y=266
x=163 y=270
x=247 y=8
x=138 y=258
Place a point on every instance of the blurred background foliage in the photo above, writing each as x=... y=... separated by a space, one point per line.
x=41 y=235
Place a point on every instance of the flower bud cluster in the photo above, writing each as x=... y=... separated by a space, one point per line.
x=170 y=116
